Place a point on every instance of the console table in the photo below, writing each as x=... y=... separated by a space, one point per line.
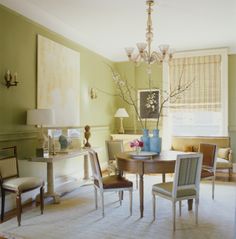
x=49 y=160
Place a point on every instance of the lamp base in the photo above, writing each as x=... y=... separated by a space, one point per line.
x=121 y=130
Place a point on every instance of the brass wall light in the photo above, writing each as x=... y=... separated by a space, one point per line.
x=93 y=93
x=10 y=80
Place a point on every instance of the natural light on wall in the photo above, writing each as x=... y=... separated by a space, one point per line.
x=203 y=109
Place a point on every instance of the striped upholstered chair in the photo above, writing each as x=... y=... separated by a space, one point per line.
x=185 y=185
x=11 y=182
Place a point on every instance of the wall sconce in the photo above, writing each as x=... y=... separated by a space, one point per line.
x=93 y=93
x=9 y=80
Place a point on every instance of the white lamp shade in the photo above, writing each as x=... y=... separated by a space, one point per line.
x=40 y=117
x=121 y=113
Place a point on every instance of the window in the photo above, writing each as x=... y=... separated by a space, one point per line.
x=201 y=110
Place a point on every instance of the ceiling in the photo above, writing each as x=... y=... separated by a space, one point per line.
x=107 y=26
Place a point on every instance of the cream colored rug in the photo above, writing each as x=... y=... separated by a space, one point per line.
x=76 y=217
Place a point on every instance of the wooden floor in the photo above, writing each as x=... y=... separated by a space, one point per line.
x=223 y=176
x=220 y=176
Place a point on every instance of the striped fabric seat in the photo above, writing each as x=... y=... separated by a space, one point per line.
x=167 y=188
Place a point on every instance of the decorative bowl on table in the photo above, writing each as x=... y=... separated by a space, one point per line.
x=142 y=155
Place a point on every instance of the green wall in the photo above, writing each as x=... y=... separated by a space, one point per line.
x=137 y=77
x=232 y=103
x=18 y=53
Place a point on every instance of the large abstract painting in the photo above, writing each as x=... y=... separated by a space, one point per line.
x=58 y=86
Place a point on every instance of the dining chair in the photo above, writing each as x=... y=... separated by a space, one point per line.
x=113 y=148
x=209 y=163
x=185 y=185
x=10 y=181
x=111 y=183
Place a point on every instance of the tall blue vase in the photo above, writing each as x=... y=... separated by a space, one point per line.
x=146 y=140
x=155 y=142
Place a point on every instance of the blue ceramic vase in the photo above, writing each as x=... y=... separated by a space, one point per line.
x=155 y=142
x=146 y=140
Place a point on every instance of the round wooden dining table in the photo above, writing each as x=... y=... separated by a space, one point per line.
x=162 y=164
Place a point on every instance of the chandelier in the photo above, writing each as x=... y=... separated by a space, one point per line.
x=144 y=48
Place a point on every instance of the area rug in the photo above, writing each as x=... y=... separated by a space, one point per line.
x=9 y=236
x=76 y=218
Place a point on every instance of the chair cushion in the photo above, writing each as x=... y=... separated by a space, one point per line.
x=206 y=173
x=22 y=184
x=166 y=189
x=114 y=181
x=223 y=153
x=223 y=163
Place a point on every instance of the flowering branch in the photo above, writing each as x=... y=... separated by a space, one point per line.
x=128 y=94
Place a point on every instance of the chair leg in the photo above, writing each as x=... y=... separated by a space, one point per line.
x=42 y=199
x=230 y=172
x=102 y=196
x=174 y=212
x=120 y=197
x=137 y=181
x=18 y=208
x=3 y=204
x=130 y=201
x=180 y=205
x=96 y=197
x=154 y=206
x=213 y=187
x=196 y=210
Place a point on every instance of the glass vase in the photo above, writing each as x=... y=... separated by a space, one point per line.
x=146 y=140
x=155 y=142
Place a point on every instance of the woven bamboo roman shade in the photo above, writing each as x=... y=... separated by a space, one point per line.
x=204 y=92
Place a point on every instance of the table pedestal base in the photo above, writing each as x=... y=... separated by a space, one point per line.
x=55 y=196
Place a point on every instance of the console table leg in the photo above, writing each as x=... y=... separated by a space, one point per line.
x=86 y=173
x=50 y=185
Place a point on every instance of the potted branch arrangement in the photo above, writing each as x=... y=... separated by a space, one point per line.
x=128 y=94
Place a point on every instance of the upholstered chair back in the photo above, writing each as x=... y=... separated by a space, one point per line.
x=187 y=175
x=8 y=163
x=114 y=147
x=209 y=154
x=95 y=165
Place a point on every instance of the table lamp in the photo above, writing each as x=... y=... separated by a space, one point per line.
x=41 y=117
x=121 y=113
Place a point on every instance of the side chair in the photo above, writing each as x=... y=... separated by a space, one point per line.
x=113 y=148
x=10 y=181
x=185 y=185
x=114 y=183
x=209 y=163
